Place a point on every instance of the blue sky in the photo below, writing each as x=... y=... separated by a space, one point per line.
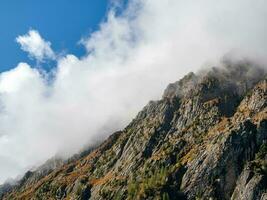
x=91 y=97
x=62 y=22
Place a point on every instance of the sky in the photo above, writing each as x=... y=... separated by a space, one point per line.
x=64 y=22
x=73 y=72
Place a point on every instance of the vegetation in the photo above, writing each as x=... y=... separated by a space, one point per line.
x=152 y=182
x=262 y=152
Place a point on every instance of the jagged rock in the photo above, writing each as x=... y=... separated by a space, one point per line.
x=250 y=186
x=205 y=139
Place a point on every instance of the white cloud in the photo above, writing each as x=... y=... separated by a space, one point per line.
x=36 y=46
x=130 y=61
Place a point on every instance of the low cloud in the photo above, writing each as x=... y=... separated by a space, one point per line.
x=129 y=61
x=36 y=46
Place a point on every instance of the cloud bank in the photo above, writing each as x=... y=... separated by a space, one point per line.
x=36 y=46
x=129 y=61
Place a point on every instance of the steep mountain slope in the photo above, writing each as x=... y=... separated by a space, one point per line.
x=205 y=139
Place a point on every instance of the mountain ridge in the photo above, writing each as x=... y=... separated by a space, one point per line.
x=205 y=139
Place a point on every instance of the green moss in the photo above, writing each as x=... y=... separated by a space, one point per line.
x=152 y=180
x=165 y=196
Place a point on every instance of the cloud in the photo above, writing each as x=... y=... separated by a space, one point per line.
x=129 y=61
x=36 y=46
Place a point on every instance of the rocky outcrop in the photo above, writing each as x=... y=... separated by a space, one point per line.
x=250 y=185
x=205 y=139
x=5 y=188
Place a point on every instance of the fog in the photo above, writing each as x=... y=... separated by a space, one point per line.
x=129 y=61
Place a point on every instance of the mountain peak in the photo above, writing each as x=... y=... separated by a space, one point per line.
x=205 y=139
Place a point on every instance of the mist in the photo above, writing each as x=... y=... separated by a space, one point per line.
x=129 y=61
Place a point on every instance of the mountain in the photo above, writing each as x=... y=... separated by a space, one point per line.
x=205 y=139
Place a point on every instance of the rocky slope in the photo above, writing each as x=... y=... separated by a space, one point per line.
x=205 y=139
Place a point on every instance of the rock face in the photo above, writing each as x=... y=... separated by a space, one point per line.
x=205 y=139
